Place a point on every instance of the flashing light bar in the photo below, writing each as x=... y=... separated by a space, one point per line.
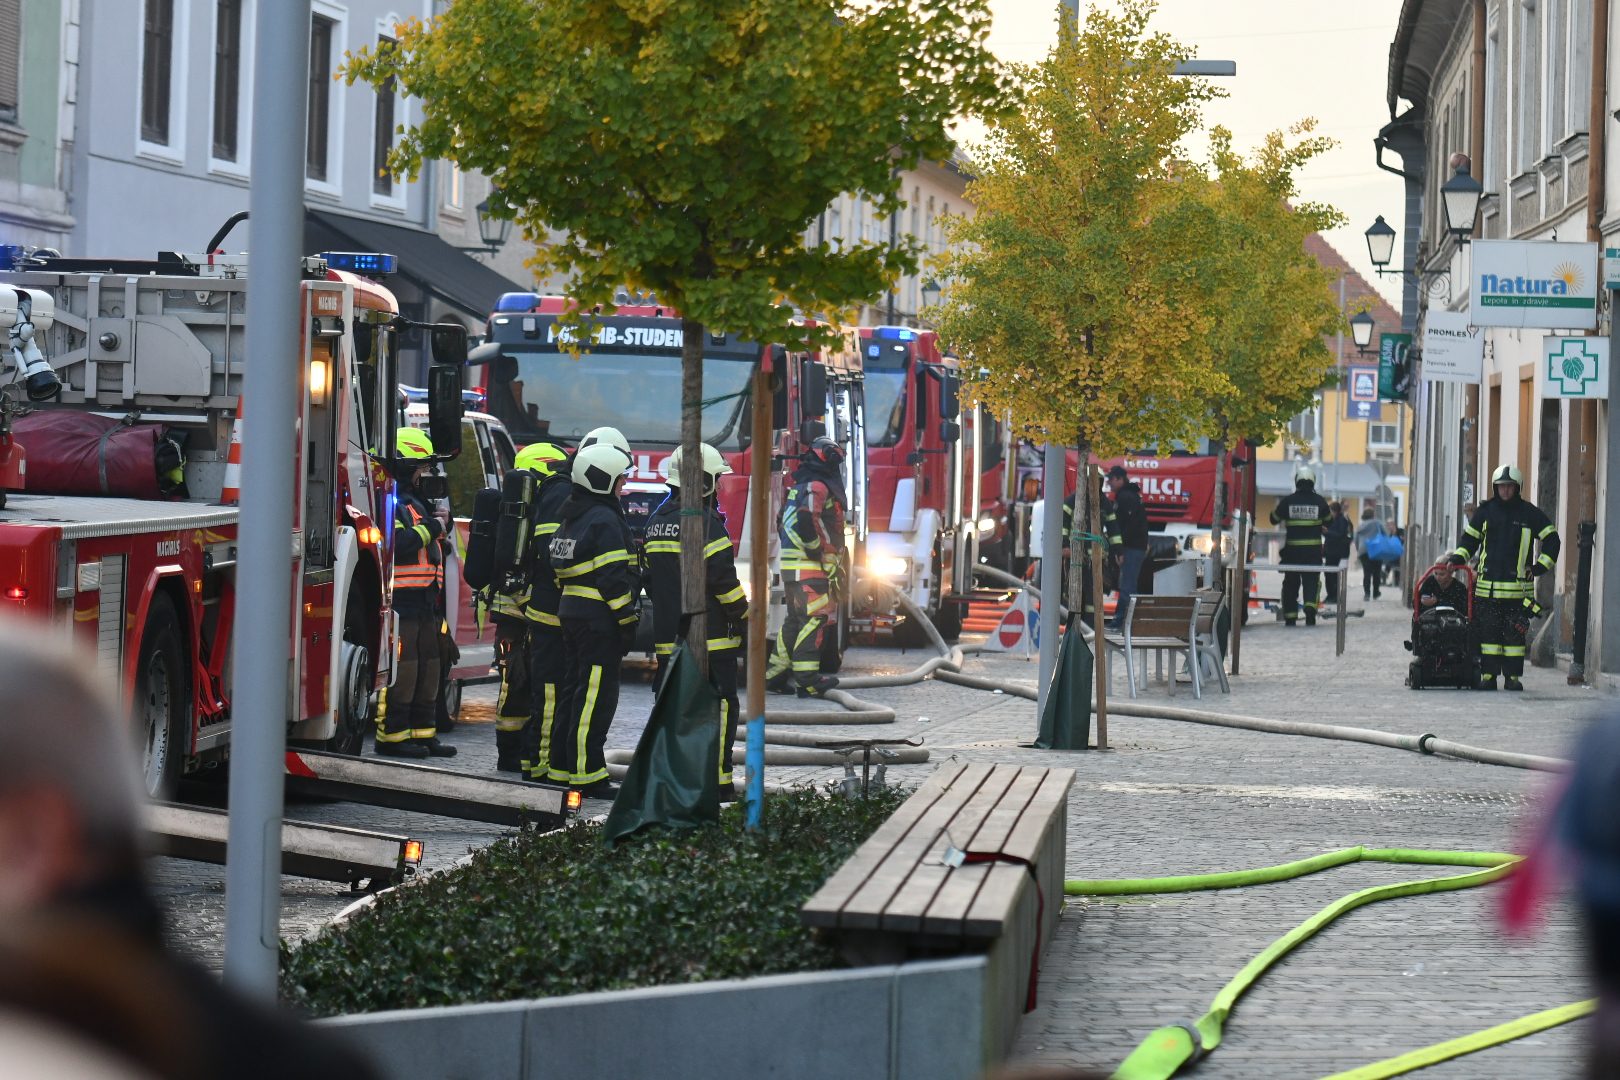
x=518 y=301
x=895 y=332
x=360 y=262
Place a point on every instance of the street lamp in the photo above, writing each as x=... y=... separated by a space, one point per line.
x=930 y=292
x=492 y=231
x=1361 y=329
x=1461 y=194
x=1380 y=244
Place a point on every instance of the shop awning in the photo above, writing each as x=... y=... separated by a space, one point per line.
x=1357 y=480
x=424 y=258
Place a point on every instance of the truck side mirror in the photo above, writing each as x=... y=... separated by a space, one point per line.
x=950 y=398
x=813 y=390
x=444 y=409
x=449 y=342
x=780 y=421
x=949 y=431
x=914 y=458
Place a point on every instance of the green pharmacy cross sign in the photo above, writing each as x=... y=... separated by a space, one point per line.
x=1577 y=367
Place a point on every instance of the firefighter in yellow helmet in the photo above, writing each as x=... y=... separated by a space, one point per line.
x=408 y=727
x=513 y=708
x=1504 y=531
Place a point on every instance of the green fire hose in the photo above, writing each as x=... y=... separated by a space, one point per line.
x=1167 y=1049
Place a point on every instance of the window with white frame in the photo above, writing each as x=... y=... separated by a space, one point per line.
x=1527 y=81
x=1383 y=437
x=161 y=89
x=227 y=79
x=382 y=134
x=1580 y=66
x=318 y=134
x=10 y=58
x=1557 y=72
x=454 y=183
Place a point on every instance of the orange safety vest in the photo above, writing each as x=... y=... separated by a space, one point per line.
x=420 y=572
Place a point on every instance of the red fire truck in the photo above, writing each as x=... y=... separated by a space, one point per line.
x=630 y=378
x=144 y=578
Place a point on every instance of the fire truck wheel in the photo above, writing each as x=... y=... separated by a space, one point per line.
x=161 y=698
x=353 y=702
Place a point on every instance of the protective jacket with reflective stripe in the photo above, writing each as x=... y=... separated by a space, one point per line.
x=1503 y=535
x=545 y=514
x=812 y=525
x=418 y=561
x=727 y=604
x=592 y=557
x=1305 y=514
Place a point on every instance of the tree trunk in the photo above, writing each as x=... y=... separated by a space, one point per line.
x=1217 y=552
x=1077 y=526
x=693 y=601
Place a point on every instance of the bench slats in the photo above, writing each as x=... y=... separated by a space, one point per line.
x=999 y=825
x=995 y=901
x=865 y=908
x=823 y=908
x=906 y=910
x=955 y=898
x=1027 y=836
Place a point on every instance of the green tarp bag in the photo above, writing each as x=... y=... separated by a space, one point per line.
x=674 y=779
x=1066 y=720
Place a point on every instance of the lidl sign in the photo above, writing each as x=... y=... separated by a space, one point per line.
x=1533 y=283
x=1575 y=367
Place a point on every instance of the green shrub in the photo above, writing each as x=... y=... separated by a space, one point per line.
x=543 y=914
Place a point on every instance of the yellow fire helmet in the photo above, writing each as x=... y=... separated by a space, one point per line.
x=413 y=443
x=541 y=457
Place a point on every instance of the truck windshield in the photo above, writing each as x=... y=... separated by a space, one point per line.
x=885 y=406
x=552 y=395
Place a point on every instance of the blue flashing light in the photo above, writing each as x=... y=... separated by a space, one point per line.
x=899 y=332
x=360 y=262
x=518 y=301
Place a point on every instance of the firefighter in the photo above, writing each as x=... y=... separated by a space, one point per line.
x=513 y=709
x=812 y=537
x=727 y=605
x=1501 y=535
x=409 y=726
x=592 y=557
x=1305 y=514
x=548 y=668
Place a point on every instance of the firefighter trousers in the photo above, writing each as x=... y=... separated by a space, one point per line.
x=411 y=706
x=798 y=644
x=512 y=706
x=1294 y=582
x=548 y=668
x=592 y=650
x=723 y=673
x=1501 y=626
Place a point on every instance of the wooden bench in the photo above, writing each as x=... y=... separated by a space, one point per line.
x=1163 y=624
x=899 y=897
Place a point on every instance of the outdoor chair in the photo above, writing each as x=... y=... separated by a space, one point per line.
x=1209 y=646
x=1161 y=624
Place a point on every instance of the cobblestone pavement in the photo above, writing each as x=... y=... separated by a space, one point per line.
x=1180 y=798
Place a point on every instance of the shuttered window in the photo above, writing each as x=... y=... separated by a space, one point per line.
x=10 y=57
x=157 y=56
x=382 y=180
x=320 y=96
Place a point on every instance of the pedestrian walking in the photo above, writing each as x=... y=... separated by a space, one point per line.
x=1371 y=568
x=1131 y=523
x=514 y=708
x=1501 y=536
x=600 y=576
x=727 y=603
x=409 y=725
x=811 y=530
x=1304 y=514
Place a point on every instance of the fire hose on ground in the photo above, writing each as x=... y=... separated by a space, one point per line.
x=1167 y=1049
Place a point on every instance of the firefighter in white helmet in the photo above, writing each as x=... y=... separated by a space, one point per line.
x=727 y=605
x=594 y=561
x=1305 y=515
x=1503 y=533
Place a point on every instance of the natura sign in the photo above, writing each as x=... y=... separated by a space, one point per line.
x=1534 y=283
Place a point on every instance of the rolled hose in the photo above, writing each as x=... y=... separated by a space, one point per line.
x=1168 y=1048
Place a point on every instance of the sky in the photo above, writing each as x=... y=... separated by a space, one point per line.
x=1295 y=59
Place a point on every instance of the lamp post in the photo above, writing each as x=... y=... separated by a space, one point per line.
x=493 y=231
x=1380 y=244
x=1361 y=329
x=1461 y=196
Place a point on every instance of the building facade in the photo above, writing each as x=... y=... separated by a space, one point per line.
x=1507 y=90
x=39 y=46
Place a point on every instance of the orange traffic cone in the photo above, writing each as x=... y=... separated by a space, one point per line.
x=232 y=493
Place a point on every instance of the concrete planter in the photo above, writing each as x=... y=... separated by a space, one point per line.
x=915 y=1021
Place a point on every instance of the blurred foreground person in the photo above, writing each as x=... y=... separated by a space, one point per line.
x=83 y=968
x=1588 y=828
